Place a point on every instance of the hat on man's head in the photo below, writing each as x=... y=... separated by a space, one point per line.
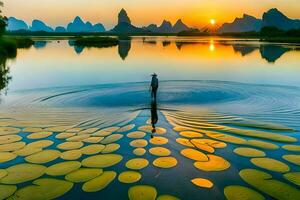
x=154 y=74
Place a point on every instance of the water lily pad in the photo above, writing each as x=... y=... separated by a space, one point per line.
x=57 y=128
x=7 y=190
x=126 y=128
x=194 y=155
x=77 y=138
x=92 y=149
x=21 y=173
x=111 y=138
x=190 y=134
x=63 y=168
x=12 y=146
x=129 y=177
x=39 y=135
x=8 y=130
x=106 y=131
x=64 y=135
x=203 y=147
x=7 y=156
x=93 y=140
x=237 y=192
x=139 y=143
x=142 y=192
x=270 y=164
x=99 y=182
x=265 y=183
x=26 y=151
x=45 y=188
x=74 y=130
x=3 y=173
x=40 y=144
x=202 y=182
x=32 y=129
x=43 y=156
x=102 y=161
x=249 y=152
x=70 y=145
x=215 y=163
x=184 y=142
x=136 y=134
x=160 y=151
x=88 y=131
x=6 y=139
x=71 y=154
x=262 y=144
x=293 y=177
x=159 y=140
x=83 y=175
x=225 y=137
x=139 y=151
x=110 y=148
x=212 y=143
x=292 y=147
x=295 y=159
x=165 y=162
x=137 y=163
x=167 y=197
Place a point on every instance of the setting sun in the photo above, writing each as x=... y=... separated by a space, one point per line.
x=212 y=21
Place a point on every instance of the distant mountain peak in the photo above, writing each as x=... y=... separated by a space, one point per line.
x=123 y=17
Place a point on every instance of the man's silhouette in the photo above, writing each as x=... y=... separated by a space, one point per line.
x=154 y=86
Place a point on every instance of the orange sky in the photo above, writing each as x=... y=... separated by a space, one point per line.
x=196 y=13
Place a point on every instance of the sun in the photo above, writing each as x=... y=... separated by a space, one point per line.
x=212 y=21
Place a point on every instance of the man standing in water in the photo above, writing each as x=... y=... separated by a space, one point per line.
x=154 y=86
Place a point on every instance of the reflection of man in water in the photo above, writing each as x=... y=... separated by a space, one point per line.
x=154 y=116
x=154 y=86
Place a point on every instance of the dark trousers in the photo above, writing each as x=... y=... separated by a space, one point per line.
x=153 y=93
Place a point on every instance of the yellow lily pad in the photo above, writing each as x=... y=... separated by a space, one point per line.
x=7 y=190
x=39 y=135
x=63 y=168
x=32 y=129
x=142 y=192
x=12 y=146
x=111 y=138
x=203 y=147
x=57 y=128
x=106 y=131
x=74 y=130
x=293 y=177
x=40 y=144
x=93 y=140
x=102 y=161
x=3 y=173
x=249 y=152
x=83 y=175
x=110 y=148
x=92 y=149
x=77 y=138
x=159 y=140
x=140 y=143
x=160 y=151
x=167 y=197
x=225 y=137
x=6 y=139
x=139 y=151
x=265 y=183
x=45 y=188
x=202 y=182
x=126 y=128
x=7 y=156
x=295 y=159
x=270 y=164
x=262 y=144
x=26 y=151
x=129 y=177
x=136 y=135
x=184 y=142
x=88 y=131
x=99 y=182
x=215 y=163
x=137 y=163
x=71 y=154
x=190 y=134
x=70 y=145
x=237 y=192
x=64 y=135
x=212 y=143
x=43 y=156
x=8 y=130
x=194 y=155
x=165 y=162
x=292 y=147
x=21 y=173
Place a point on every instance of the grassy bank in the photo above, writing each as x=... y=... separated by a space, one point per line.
x=281 y=39
x=96 y=42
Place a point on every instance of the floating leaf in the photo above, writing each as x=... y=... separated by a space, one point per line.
x=142 y=192
x=129 y=177
x=102 y=161
x=99 y=182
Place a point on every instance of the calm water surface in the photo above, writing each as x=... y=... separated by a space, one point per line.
x=228 y=110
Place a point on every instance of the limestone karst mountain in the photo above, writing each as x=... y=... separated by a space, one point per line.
x=14 y=24
x=38 y=25
x=166 y=27
x=78 y=25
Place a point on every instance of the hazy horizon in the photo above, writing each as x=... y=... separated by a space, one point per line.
x=193 y=13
